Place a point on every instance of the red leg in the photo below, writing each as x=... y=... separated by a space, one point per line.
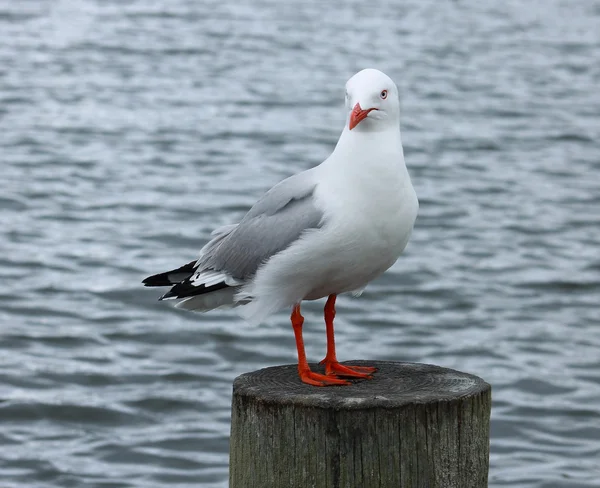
x=306 y=375
x=332 y=366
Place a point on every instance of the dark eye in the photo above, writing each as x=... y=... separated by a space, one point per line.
x=383 y=94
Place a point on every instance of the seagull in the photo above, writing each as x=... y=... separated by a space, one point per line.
x=328 y=230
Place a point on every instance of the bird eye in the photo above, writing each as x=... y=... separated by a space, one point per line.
x=383 y=94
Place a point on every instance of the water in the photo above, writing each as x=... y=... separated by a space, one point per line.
x=129 y=130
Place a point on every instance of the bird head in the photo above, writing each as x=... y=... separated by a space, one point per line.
x=372 y=101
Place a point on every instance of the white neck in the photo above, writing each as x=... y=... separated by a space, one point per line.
x=369 y=143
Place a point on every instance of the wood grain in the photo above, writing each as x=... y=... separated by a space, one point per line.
x=413 y=425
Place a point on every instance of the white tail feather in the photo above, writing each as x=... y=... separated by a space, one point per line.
x=223 y=298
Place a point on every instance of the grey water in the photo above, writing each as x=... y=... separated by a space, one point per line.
x=129 y=130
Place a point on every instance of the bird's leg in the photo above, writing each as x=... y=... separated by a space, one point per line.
x=306 y=375
x=332 y=366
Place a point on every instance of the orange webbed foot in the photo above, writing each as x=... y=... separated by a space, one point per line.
x=337 y=369
x=316 y=379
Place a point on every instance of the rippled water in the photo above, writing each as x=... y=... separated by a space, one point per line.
x=129 y=130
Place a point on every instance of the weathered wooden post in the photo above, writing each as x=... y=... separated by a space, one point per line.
x=412 y=426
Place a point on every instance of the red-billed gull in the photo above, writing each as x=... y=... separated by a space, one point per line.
x=328 y=230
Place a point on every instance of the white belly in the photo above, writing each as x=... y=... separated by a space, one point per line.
x=364 y=246
x=369 y=208
x=363 y=235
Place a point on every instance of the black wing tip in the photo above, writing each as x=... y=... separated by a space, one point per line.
x=186 y=289
x=162 y=279
x=157 y=280
x=169 y=294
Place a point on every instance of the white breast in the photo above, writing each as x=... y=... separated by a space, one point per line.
x=369 y=208
x=369 y=219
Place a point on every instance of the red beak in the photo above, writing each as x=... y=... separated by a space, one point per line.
x=357 y=115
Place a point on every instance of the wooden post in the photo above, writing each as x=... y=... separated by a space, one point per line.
x=412 y=426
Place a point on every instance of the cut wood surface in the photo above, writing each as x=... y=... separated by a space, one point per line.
x=413 y=425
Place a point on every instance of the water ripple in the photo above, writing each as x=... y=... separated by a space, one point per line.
x=130 y=131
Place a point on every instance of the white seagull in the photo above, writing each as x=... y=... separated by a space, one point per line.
x=328 y=230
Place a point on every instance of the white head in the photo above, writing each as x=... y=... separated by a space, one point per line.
x=372 y=101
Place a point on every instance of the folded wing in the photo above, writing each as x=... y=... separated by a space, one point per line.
x=236 y=252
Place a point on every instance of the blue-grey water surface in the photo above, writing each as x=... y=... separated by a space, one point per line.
x=129 y=130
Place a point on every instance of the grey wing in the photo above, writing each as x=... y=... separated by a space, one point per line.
x=272 y=224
